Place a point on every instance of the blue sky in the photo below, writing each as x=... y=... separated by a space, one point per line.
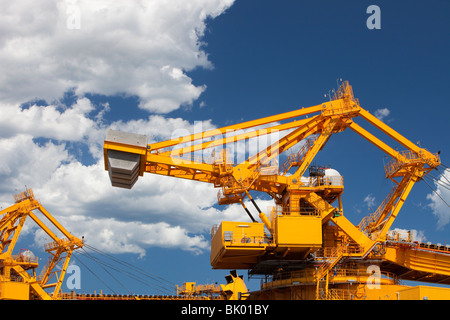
x=159 y=68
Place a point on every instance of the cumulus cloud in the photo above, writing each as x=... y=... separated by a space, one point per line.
x=382 y=114
x=71 y=124
x=135 y=48
x=24 y=162
x=369 y=200
x=439 y=201
x=407 y=235
x=130 y=48
x=141 y=49
x=162 y=211
x=158 y=206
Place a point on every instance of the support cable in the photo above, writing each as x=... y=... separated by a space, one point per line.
x=126 y=273
x=129 y=265
x=121 y=271
x=110 y=274
x=443 y=174
x=437 y=193
x=440 y=183
x=76 y=256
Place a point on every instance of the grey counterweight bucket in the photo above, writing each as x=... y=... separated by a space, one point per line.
x=124 y=167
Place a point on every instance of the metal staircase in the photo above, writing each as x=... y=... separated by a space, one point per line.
x=333 y=256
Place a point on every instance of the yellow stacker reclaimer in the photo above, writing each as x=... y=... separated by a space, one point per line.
x=19 y=279
x=304 y=246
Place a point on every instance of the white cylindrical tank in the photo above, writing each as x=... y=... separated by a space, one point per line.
x=333 y=177
x=27 y=255
x=305 y=181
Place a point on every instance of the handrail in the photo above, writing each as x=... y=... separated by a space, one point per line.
x=322 y=181
x=23 y=258
x=287 y=211
x=245 y=239
x=27 y=194
x=371 y=218
x=408 y=157
x=248 y=239
x=307 y=277
x=296 y=157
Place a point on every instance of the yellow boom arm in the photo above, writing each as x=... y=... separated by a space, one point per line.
x=128 y=156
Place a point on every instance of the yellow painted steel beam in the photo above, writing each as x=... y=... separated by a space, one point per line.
x=179 y=163
x=329 y=125
x=8 y=214
x=62 y=274
x=234 y=138
x=417 y=259
x=406 y=189
x=392 y=133
x=41 y=292
x=239 y=126
x=377 y=142
x=354 y=233
x=180 y=173
x=43 y=226
x=244 y=170
x=16 y=231
x=74 y=240
x=307 y=128
x=281 y=145
x=12 y=223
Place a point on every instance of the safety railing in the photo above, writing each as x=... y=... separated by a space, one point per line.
x=27 y=194
x=402 y=238
x=247 y=239
x=307 y=277
x=408 y=157
x=373 y=217
x=329 y=252
x=189 y=157
x=344 y=92
x=339 y=109
x=205 y=288
x=296 y=158
x=214 y=230
x=57 y=244
x=287 y=278
x=302 y=211
x=322 y=181
x=25 y=258
x=227 y=196
x=333 y=256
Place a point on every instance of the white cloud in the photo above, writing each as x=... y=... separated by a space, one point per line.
x=381 y=114
x=369 y=200
x=162 y=211
x=71 y=124
x=407 y=235
x=136 y=48
x=123 y=47
x=440 y=200
x=158 y=128
x=159 y=211
x=129 y=48
x=24 y=162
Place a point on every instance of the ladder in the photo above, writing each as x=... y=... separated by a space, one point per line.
x=295 y=159
x=333 y=257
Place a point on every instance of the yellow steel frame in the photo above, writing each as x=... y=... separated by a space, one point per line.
x=11 y=223
x=321 y=121
x=328 y=118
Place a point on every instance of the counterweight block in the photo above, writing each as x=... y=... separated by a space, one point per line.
x=124 y=155
x=123 y=168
